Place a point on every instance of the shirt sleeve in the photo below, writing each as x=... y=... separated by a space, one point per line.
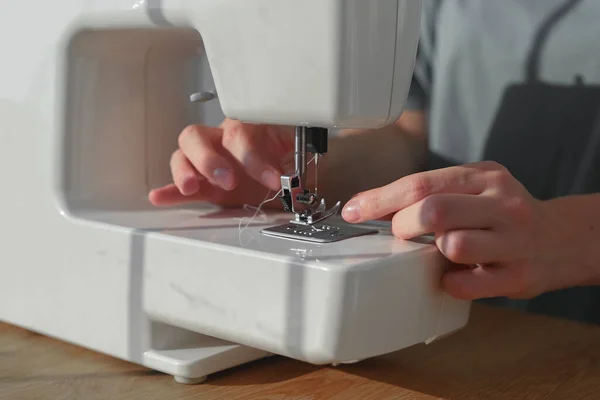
x=420 y=88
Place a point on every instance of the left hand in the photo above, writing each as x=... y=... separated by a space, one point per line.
x=482 y=217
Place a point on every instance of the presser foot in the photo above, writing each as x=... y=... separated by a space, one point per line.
x=315 y=225
x=307 y=208
x=320 y=214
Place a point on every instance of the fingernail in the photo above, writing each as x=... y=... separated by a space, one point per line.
x=351 y=212
x=224 y=178
x=271 y=180
x=189 y=186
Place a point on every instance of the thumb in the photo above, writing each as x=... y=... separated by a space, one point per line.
x=484 y=281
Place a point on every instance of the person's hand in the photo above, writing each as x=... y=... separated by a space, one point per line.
x=483 y=219
x=232 y=165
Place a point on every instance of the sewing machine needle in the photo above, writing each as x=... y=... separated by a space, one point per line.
x=317 y=174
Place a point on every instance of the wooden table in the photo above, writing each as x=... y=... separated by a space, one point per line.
x=501 y=355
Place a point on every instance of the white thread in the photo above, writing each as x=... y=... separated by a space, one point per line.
x=439 y=321
x=258 y=210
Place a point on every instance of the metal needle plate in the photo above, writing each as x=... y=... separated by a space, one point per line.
x=318 y=233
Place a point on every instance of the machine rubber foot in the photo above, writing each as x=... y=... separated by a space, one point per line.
x=189 y=381
x=335 y=365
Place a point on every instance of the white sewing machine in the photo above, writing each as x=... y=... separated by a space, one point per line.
x=93 y=94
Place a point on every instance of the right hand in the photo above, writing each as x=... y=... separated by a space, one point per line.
x=229 y=166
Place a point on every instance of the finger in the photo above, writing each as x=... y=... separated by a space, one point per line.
x=445 y=212
x=171 y=195
x=241 y=140
x=198 y=145
x=474 y=246
x=184 y=174
x=411 y=189
x=487 y=281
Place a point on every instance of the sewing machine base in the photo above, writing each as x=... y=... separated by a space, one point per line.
x=188 y=293
x=193 y=364
x=324 y=232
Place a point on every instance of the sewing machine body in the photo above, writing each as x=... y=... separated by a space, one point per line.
x=91 y=103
